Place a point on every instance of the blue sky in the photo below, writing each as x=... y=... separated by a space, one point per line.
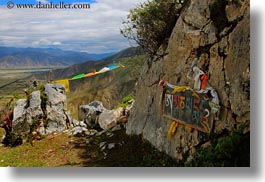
x=94 y=30
x=3 y=2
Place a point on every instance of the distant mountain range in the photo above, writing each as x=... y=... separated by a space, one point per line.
x=12 y=57
x=87 y=66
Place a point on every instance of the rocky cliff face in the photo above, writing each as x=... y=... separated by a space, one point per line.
x=217 y=32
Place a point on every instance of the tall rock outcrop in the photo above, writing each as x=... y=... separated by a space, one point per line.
x=217 y=33
x=43 y=112
x=55 y=110
x=26 y=113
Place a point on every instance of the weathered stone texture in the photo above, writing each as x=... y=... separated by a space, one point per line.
x=223 y=48
x=43 y=116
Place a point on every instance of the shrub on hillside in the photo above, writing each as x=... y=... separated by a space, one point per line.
x=232 y=150
x=125 y=101
x=151 y=23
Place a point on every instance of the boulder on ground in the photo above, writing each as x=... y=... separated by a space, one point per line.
x=78 y=130
x=109 y=118
x=89 y=113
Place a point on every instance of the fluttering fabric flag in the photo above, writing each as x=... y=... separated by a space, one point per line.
x=65 y=83
x=112 y=67
x=82 y=75
x=79 y=76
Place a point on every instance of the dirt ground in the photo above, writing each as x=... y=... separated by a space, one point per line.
x=110 y=149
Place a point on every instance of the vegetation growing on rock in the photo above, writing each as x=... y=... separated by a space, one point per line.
x=125 y=101
x=151 y=23
x=216 y=34
x=230 y=150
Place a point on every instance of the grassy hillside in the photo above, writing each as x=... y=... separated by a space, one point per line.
x=63 y=150
x=12 y=84
x=109 y=87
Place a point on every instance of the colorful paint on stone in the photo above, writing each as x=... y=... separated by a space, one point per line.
x=194 y=109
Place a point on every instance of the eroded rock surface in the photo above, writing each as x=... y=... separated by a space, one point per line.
x=217 y=32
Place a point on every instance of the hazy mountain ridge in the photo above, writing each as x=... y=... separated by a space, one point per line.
x=88 y=66
x=11 y=57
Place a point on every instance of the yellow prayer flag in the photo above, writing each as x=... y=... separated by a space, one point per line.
x=66 y=84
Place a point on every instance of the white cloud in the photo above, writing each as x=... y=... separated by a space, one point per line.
x=43 y=42
x=42 y=1
x=57 y=43
x=90 y=30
